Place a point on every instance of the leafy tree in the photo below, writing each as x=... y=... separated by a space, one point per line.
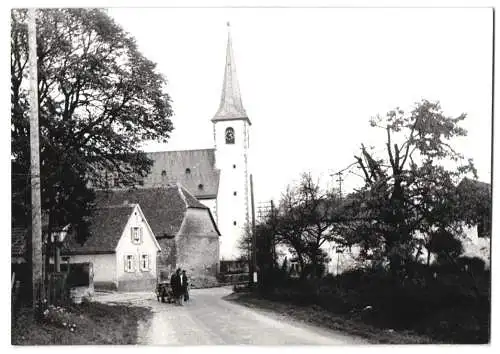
x=99 y=97
x=445 y=246
x=265 y=246
x=408 y=194
x=476 y=202
x=304 y=223
x=289 y=226
x=245 y=244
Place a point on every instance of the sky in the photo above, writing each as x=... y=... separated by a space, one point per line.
x=311 y=78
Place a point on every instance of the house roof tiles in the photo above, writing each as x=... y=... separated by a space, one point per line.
x=106 y=226
x=163 y=207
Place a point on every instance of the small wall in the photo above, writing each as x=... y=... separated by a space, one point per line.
x=81 y=293
x=104 y=266
x=111 y=286
x=137 y=284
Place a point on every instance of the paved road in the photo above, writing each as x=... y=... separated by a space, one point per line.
x=207 y=319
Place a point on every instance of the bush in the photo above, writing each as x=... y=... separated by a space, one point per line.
x=472 y=264
x=423 y=300
x=59 y=317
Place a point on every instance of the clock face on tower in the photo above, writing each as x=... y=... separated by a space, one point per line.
x=229 y=135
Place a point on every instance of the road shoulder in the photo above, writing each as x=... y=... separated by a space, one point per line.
x=312 y=315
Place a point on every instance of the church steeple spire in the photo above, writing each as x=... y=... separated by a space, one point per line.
x=231 y=106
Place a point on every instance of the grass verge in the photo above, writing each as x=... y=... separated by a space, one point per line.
x=315 y=315
x=88 y=323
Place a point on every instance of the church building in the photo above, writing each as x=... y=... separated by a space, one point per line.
x=218 y=177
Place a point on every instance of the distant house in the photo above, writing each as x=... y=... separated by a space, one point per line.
x=121 y=247
x=20 y=236
x=184 y=228
x=476 y=196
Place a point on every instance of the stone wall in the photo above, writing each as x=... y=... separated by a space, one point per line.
x=198 y=248
x=82 y=293
x=199 y=256
x=166 y=259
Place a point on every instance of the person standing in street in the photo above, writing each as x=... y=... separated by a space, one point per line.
x=180 y=287
x=185 y=285
x=174 y=285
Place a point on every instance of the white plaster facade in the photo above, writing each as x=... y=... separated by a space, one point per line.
x=234 y=187
x=146 y=247
x=110 y=270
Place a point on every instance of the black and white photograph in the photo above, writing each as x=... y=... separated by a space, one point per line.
x=251 y=176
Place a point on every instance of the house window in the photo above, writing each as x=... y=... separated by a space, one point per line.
x=200 y=186
x=188 y=171
x=136 y=234
x=234 y=166
x=229 y=135
x=234 y=193
x=129 y=263
x=145 y=262
x=163 y=173
x=234 y=223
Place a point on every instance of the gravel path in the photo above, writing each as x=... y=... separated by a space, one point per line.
x=207 y=319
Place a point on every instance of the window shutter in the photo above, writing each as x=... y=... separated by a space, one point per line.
x=133 y=264
x=132 y=234
x=125 y=263
x=148 y=260
x=140 y=234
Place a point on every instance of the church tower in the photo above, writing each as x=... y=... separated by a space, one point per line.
x=231 y=135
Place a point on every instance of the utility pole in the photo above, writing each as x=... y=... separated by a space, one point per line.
x=340 y=179
x=36 y=213
x=254 y=239
x=273 y=240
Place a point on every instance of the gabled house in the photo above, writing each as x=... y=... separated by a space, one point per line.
x=121 y=247
x=476 y=196
x=184 y=228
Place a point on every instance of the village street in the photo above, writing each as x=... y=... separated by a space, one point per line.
x=208 y=319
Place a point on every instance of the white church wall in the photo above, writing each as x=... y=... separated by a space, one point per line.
x=233 y=194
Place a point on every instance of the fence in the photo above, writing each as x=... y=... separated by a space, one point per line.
x=14 y=300
x=234 y=278
x=234 y=267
